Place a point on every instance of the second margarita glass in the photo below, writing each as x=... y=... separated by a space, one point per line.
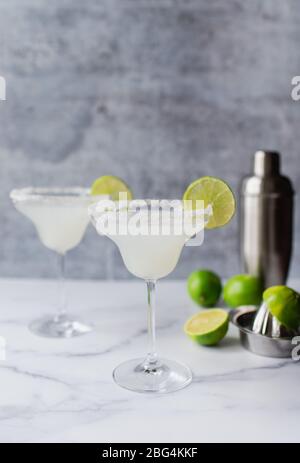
x=60 y=217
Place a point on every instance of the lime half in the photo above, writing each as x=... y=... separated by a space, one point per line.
x=284 y=304
x=209 y=327
x=215 y=192
x=112 y=186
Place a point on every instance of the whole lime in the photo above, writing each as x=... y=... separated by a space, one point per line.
x=284 y=304
x=204 y=287
x=243 y=290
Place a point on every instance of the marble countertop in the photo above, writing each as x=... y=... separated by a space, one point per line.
x=62 y=390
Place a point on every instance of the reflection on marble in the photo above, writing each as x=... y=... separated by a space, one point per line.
x=159 y=92
x=62 y=390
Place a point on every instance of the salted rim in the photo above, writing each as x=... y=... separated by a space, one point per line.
x=53 y=194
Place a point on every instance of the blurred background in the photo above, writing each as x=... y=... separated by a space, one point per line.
x=158 y=92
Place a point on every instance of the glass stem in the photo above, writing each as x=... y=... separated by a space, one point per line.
x=152 y=354
x=62 y=309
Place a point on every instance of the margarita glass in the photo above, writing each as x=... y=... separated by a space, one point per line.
x=61 y=219
x=150 y=236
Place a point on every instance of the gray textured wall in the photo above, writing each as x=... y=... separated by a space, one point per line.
x=156 y=91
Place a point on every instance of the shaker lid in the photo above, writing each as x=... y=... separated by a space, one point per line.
x=267 y=179
x=266 y=163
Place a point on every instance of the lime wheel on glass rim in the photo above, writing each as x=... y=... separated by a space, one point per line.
x=111 y=186
x=216 y=193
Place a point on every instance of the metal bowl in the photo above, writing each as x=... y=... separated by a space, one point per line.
x=259 y=344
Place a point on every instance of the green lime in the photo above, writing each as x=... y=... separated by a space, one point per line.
x=284 y=304
x=243 y=290
x=209 y=327
x=215 y=192
x=112 y=186
x=204 y=287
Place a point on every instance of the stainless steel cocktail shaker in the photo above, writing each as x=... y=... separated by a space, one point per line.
x=267 y=220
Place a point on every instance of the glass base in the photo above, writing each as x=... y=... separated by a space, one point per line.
x=160 y=377
x=59 y=327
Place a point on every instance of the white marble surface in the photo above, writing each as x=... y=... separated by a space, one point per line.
x=62 y=390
